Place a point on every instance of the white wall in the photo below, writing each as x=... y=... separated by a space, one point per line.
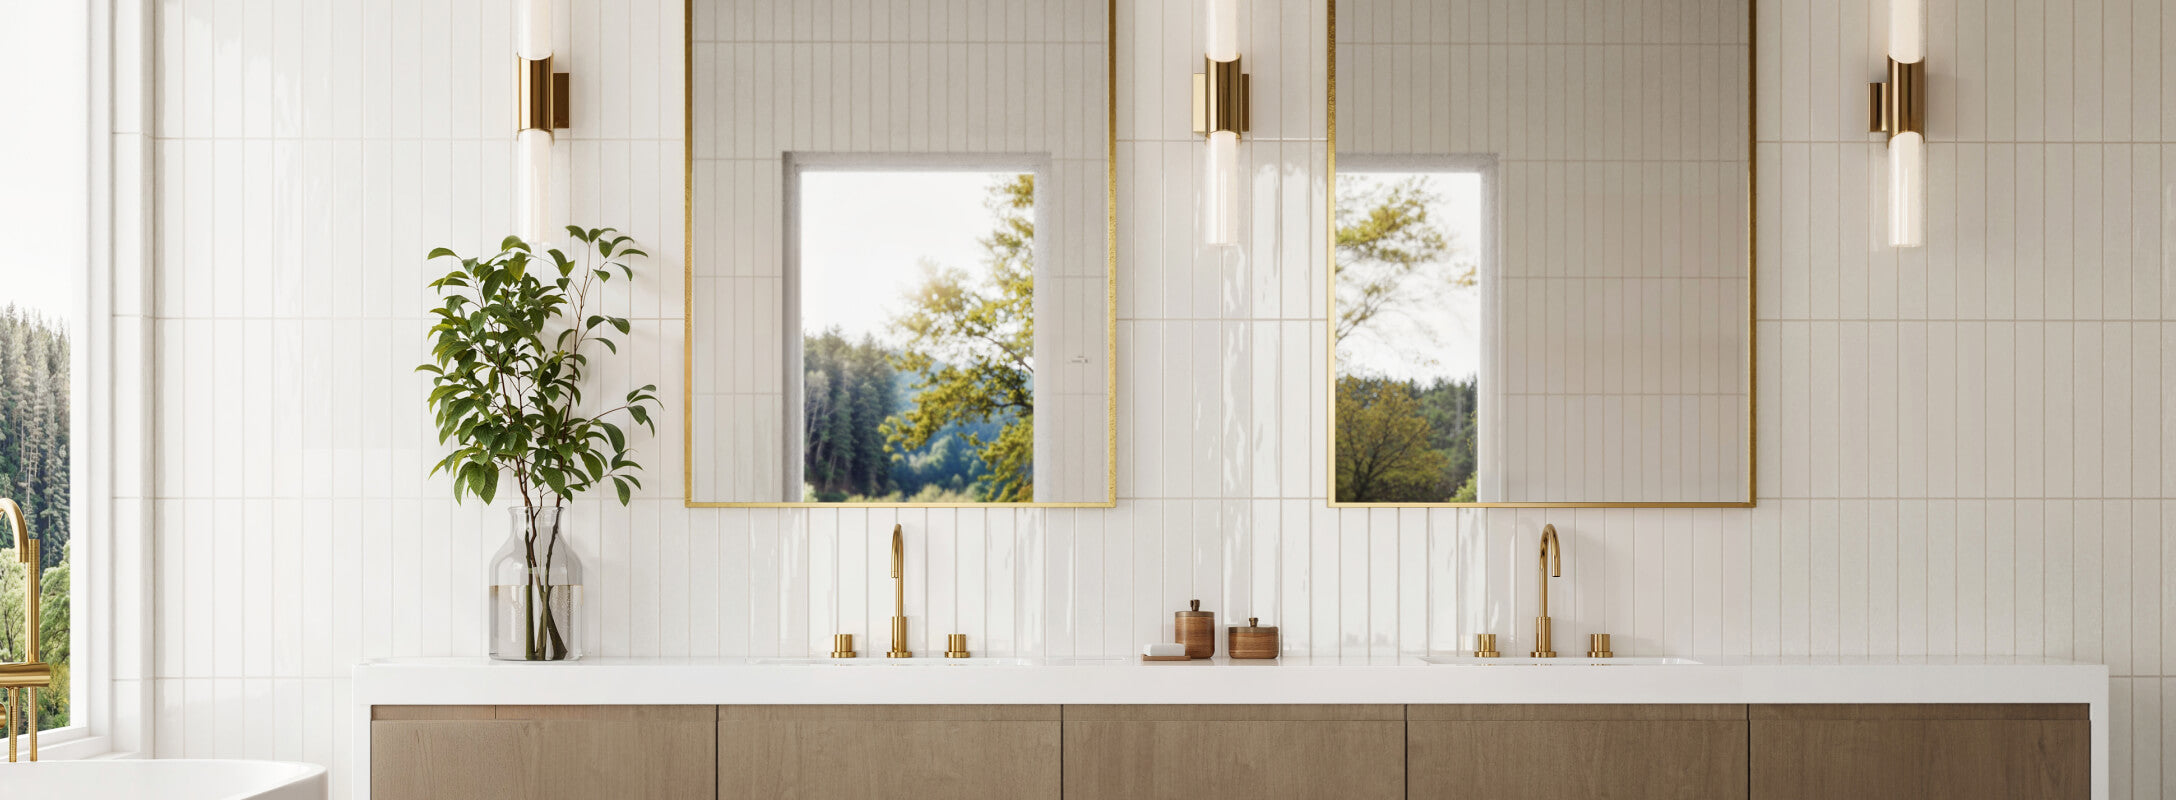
x=1962 y=447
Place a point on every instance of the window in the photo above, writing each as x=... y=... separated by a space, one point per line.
x=915 y=304
x=1414 y=280
x=34 y=442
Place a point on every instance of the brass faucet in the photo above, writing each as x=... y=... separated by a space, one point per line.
x=899 y=597
x=1552 y=563
x=24 y=679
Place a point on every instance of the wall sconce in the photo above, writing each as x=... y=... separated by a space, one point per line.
x=1220 y=114
x=542 y=106
x=1898 y=109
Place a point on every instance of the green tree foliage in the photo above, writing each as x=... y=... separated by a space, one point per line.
x=34 y=427
x=1449 y=408
x=1383 y=451
x=507 y=356
x=34 y=436
x=1384 y=236
x=1405 y=441
x=53 y=644
x=970 y=343
x=848 y=391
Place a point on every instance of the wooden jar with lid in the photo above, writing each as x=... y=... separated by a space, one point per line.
x=1252 y=640
x=1196 y=629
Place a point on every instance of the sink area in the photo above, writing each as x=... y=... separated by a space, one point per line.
x=895 y=662
x=1622 y=661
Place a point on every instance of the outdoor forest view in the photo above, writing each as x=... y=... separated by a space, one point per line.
x=1407 y=336
x=919 y=383
x=34 y=472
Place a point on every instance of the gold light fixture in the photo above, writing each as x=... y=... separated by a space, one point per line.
x=541 y=99
x=1220 y=115
x=1897 y=108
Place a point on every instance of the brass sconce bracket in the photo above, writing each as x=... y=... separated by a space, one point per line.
x=1220 y=97
x=542 y=93
x=1898 y=105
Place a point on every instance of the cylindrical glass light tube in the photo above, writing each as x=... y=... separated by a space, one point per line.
x=533 y=29
x=1220 y=198
x=533 y=184
x=1907 y=31
x=1907 y=193
x=1223 y=30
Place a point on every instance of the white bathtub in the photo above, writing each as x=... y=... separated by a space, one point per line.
x=167 y=779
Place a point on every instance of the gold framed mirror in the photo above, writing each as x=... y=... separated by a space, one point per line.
x=901 y=287
x=1541 y=253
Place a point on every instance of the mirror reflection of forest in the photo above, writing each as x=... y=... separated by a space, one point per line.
x=1408 y=335
x=935 y=402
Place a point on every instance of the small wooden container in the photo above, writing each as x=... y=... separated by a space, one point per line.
x=1252 y=640
x=1196 y=629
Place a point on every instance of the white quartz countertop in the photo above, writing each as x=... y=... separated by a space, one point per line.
x=1728 y=679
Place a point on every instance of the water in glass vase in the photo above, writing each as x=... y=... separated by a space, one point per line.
x=532 y=624
x=536 y=589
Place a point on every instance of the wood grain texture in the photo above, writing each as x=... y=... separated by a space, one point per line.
x=1251 y=752
x=1873 y=711
x=1577 y=711
x=784 y=752
x=564 y=752
x=1940 y=753
x=474 y=759
x=1232 y=713
x=433 y=712
x=1626 y=752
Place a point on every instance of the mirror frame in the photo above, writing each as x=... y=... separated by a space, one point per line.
x=687 y=291
x=1752 y=310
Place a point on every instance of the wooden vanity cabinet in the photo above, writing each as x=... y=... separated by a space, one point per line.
x=1936 y=752
x=1240 y=752
x=1625 y=752
x=954 y=751
x=542 y=752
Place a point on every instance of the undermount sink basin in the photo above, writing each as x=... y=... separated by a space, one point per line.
x=894 y=662
x=1621 y=661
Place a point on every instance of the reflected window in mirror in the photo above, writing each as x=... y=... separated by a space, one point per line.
x=915 y=365
x=1594 y=346
x=1414 y=275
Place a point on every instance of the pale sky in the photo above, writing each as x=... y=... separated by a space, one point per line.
x=863 y=235
x=1428 y=338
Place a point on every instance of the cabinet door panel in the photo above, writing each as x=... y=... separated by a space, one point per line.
x=542 y=752
x=426 y=759
x=1939 y=752
x=888 y=751
x=1238 y=752
x=1577 y=751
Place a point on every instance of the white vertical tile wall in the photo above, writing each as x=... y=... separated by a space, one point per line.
x=1965 y=447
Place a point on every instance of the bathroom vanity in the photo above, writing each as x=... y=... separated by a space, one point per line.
x=1762 y=729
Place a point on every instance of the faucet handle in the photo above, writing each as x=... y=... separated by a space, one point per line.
x=1598 y=646
x=842 y=646
x=1484 y=646
x=956 y=646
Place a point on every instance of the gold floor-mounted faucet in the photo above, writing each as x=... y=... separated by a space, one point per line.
x=899 y=597
x=1552 y=564
x=23 y=680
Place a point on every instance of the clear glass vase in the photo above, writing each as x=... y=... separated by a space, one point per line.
x=536 y=590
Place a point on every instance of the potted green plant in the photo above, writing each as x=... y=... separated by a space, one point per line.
x=508 y=356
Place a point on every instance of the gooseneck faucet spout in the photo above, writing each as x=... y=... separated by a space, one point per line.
x=1552 y=564
x=899 y=597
